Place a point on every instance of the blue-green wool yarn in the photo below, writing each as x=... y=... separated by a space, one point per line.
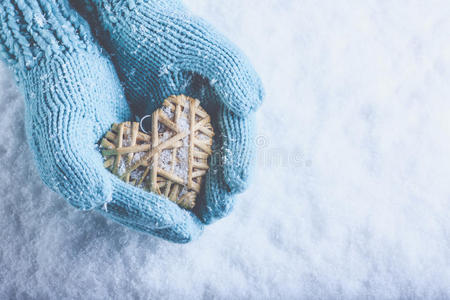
x=82 y=65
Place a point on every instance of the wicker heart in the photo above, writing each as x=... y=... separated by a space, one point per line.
x=171 y=159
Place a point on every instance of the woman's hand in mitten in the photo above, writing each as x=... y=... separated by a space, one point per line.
x=159 y=50
x=72 y=96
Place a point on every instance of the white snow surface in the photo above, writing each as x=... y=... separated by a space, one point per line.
x=352 y=194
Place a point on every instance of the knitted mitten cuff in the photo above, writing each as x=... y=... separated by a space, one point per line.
x=33 y=29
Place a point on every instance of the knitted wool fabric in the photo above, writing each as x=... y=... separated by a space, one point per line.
x=159 y=50
x=155 y=40
x=72 y=96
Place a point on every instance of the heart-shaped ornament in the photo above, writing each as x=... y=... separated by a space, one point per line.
x=172 y=158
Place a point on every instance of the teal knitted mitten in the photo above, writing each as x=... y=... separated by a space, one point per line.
x=160 y=49
x=72 y=96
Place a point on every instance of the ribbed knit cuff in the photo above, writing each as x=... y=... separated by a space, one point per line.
x=32 y=29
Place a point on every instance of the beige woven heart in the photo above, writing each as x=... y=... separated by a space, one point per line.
x=171 y=159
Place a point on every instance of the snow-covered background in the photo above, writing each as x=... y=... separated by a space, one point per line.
x=352 y=195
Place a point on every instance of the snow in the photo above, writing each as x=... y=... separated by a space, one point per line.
x=183 y=123
x=202 y=137
x=167 y=111
x=122 y=169
x=351 y=197
x=165 y=159
x=136 y=158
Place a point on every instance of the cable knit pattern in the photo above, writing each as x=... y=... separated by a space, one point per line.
x=160 y=49
x=33 y=29
x=73 y=95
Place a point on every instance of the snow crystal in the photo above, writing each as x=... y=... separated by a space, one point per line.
x=122 y=167
x=137 y=174
x=181 y=168
x=137 y=157
x=165 y=136
x=182 y=153
x=165 y=159
x=186 y=108
x=202 y=137
x=164 y=70
x=168 y=112
x=40 y=19
x=183 y=124
x=183 y=191
x=126 y=142
x=125 y=162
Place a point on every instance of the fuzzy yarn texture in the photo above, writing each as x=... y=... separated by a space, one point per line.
x=73 y=93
